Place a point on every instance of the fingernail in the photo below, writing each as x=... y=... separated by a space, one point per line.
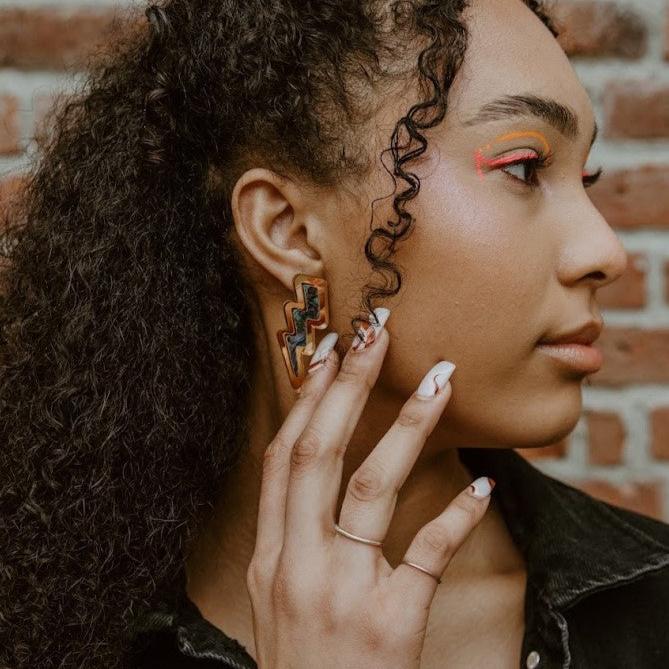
x=481 y=487
x=369 y=332
x=322 y=351
x=435 y=379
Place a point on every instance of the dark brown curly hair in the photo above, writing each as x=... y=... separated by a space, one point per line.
x=125 y=363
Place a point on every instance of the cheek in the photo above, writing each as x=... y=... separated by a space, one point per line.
x=475 y=272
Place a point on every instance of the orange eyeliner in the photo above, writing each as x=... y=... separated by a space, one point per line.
x=480 y=160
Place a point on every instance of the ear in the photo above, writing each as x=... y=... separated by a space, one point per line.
x=276 y=222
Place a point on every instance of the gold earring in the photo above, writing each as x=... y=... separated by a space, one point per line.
x=307 y=313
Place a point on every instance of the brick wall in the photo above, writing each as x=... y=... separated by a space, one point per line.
x=620 y=449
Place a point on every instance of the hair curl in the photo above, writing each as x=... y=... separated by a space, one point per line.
x=124 y=362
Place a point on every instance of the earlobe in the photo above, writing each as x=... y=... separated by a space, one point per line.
x=272 y=218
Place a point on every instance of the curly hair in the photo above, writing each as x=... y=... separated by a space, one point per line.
x=125 y=364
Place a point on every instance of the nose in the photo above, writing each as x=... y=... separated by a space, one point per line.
x=592 y=253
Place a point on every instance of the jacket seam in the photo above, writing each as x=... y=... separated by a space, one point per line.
x=564 y=630
x=641 y=533
x=573 y=595
x=564 y=636
x=562 y=621
x=187 y=649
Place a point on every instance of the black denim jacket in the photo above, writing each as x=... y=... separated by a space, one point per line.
x=597 y=594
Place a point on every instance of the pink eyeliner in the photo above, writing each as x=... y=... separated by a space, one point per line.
x=498 y=162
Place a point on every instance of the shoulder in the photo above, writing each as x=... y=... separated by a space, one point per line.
x=624 y=617
x=623 y=624
x=652 y=529
x=648 y=578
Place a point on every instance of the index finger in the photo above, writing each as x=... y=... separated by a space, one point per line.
x=276 y=459
x=317 y=458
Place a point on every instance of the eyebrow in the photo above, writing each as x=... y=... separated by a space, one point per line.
x=560 y=116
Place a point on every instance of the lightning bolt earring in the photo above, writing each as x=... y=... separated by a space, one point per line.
x=307 y=313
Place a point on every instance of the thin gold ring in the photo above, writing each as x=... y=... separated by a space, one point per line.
x=429 y=573
x=372 y=542
x=355 y=537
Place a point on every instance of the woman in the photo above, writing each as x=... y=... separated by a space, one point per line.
x=178 y=489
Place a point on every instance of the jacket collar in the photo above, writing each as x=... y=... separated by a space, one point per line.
x=573 y=543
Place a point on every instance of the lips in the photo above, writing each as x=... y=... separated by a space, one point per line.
x=586 y=335
x=586 y=359
x=574 y=348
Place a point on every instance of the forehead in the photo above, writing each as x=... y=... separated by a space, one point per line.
x=510 y=51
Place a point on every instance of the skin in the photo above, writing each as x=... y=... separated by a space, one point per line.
x=490 y=267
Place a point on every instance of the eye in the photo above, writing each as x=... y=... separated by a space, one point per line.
x=528 y=166
x=525 y=168
x=590 y=179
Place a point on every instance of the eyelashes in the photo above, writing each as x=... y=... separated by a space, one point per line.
x=590 y=179
x=533 y=164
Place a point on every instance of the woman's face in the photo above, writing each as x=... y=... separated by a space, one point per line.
x=500 y=255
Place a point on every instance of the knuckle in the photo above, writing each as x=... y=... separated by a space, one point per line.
x=412 y=419
x=373 y=634
x=306 y=450
x=276 y=446
x=306 y=394
x=435 y=538
x=353 y=376
x=468 y=506
x=284 y=594
x=348 y=374
x=256 y=576
x=367 y=483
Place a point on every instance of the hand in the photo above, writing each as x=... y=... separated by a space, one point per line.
x=320 y=599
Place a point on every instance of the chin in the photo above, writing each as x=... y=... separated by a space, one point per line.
x=536 y=424
x=550 y=430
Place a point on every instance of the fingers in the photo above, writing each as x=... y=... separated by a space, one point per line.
x=435 y=544
x=371 y=494
x=316 y=461
x=324 y=365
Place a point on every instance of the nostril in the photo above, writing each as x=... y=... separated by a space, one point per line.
x=598 y=276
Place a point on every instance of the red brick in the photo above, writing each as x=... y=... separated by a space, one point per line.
x=53 y=38
x=636 y=109
x=660 y=433
x=629 y=291
x=10 y=133
x=600 y=29
x=634 y=198
x=640 y=496
x=606 y=437
x=552 y=451
x=633 y=355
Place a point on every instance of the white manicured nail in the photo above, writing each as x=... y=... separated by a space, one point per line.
x=381 y=314
x=435 y=379
x=322 y=350
x=481 y=487
x=370 y=334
